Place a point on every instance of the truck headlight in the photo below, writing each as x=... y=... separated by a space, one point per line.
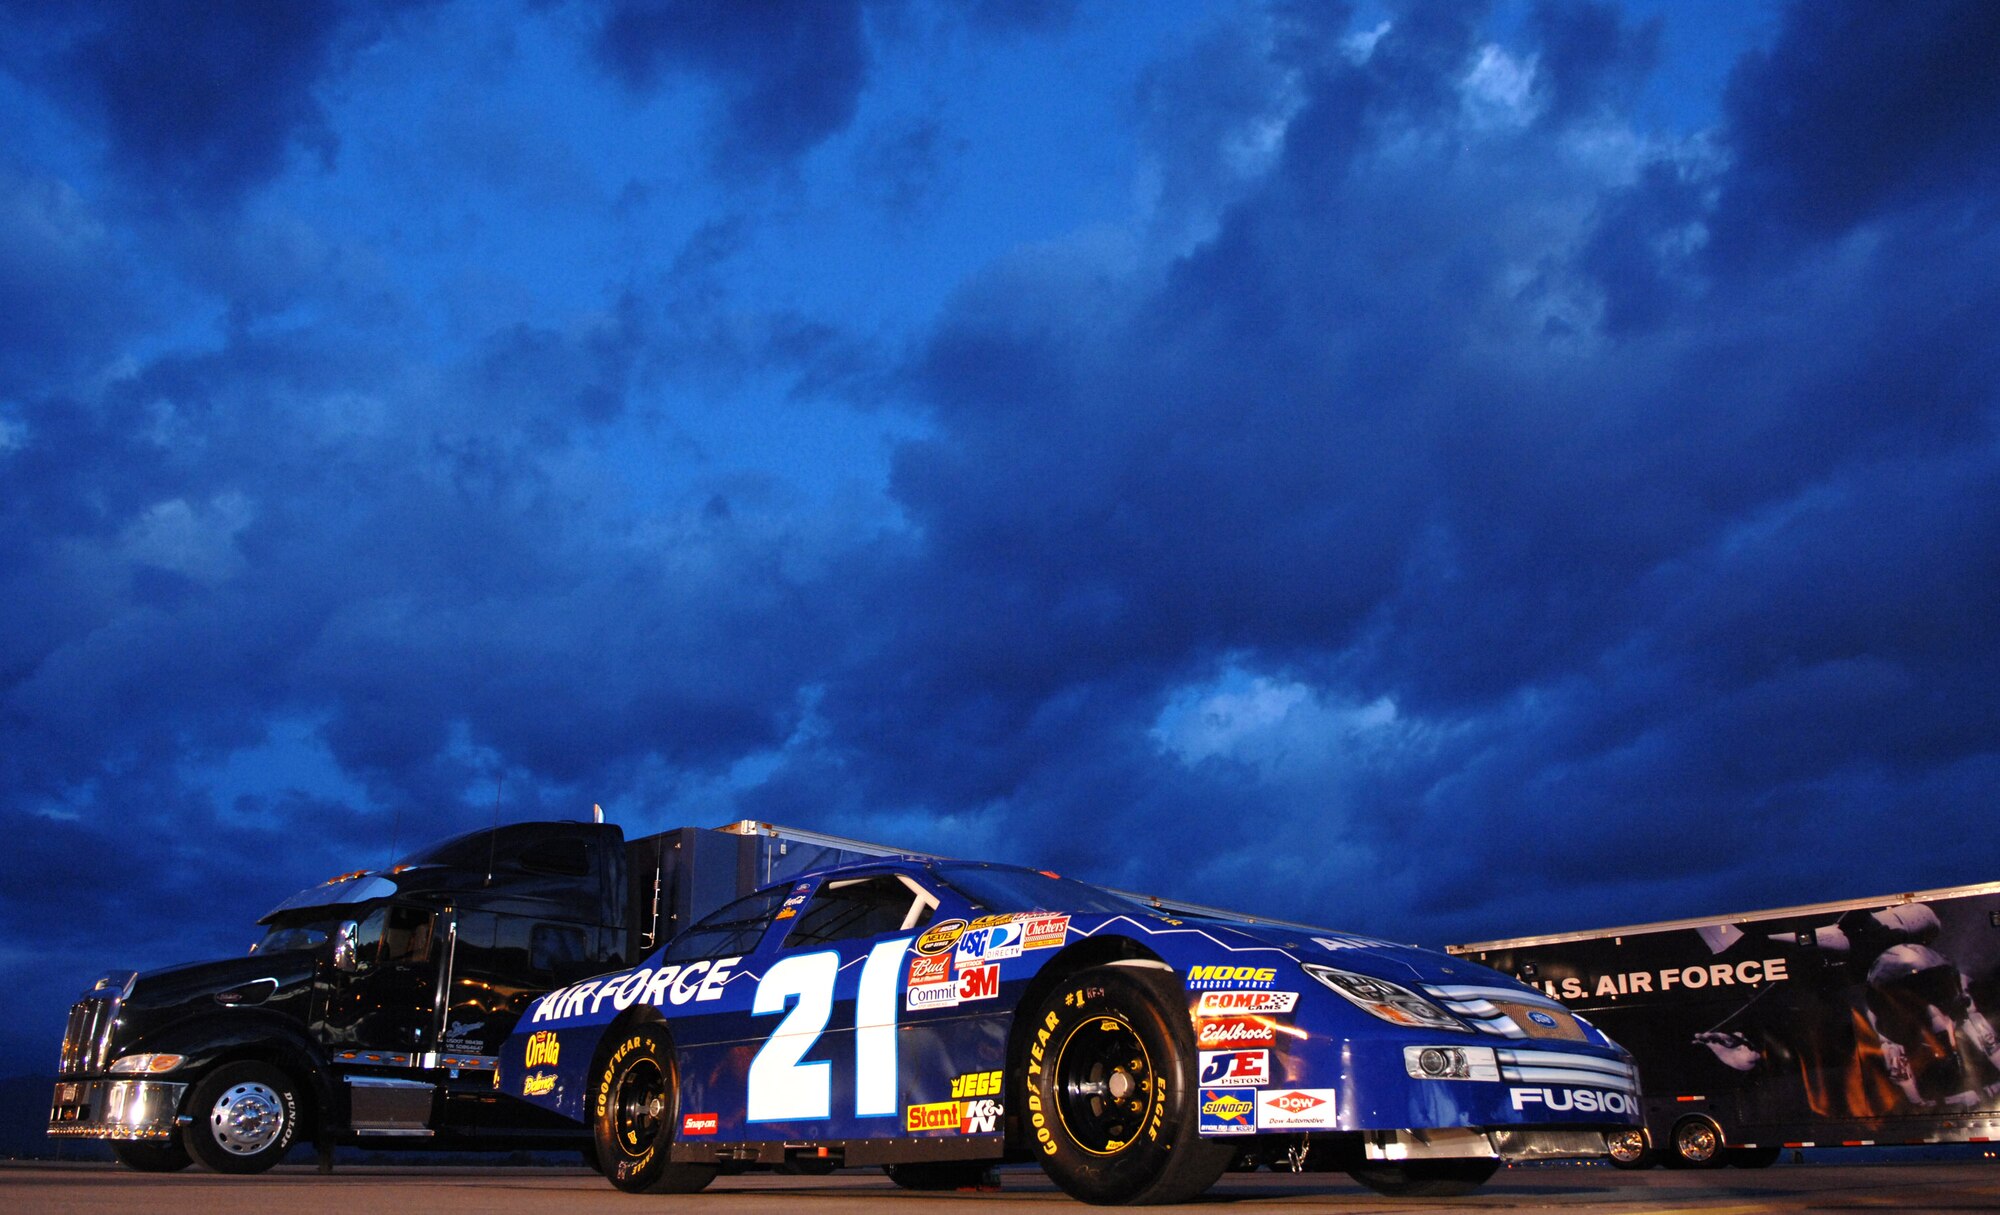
x=1389 y=1001
x=147 y=1065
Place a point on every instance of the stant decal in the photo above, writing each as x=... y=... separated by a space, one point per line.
x=1213 y=1002
x=1235 y=1068
x=936 y=1116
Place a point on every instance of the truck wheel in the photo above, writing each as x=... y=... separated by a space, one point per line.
x=1424 y=1178
x=166 y=1156
x=1697 y=1144
x=245 y=1116
x=1628 y=1149
x=936 y=1175
x=1753 y=1157
x=633 y=1115
x=1110 y=1090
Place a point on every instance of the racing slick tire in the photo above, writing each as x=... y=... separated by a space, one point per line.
x=941 y=1175
x=1628 y=1149
x=1424 y=1178
x=167 y=1156
x=1696 y=1144
x=1753 y=1157
x=633 y=1117
x=1109 y=1086
x=243 y=1118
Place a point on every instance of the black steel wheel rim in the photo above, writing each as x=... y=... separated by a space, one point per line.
x=1104 y=1084
x=641 y=1102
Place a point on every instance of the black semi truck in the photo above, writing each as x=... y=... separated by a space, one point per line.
x=1860 y=1023
x=373 y=1007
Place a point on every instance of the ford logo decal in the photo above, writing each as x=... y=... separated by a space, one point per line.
x=1543 y=1019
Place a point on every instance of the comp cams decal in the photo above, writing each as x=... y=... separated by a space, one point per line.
x=1221 y=1003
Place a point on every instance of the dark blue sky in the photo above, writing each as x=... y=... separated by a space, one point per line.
x=1440 y=471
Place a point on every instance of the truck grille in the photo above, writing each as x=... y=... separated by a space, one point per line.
x=87 y=1040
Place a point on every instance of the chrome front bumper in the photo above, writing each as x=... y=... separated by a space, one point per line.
x=115 y=1109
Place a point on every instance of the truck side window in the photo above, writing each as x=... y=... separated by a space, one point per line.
x=556 y=950
x=736 y=928
x=406 y=935
x=859 y=907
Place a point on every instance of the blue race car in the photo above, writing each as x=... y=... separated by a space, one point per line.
x=938 y=1017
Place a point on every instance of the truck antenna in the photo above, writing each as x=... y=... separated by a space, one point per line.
x=493 y=834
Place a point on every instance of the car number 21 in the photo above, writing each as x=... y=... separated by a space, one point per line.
x=784 y=1088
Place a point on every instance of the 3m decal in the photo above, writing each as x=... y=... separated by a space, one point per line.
x=939 y=938
x=543 y=1050
x=1230 y=1032
x=979 y=983
x=1296 y=1109
x=698 y=1124
x=1212 y=978
x=538 y=1084
x=1235 y=1068
x=989 y=944
x=976 y=1084
x=1216 y=1002
x=784 y=1088
x=1226 y=1113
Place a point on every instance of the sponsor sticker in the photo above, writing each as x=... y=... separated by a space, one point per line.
x=543 y=1050
x=698 y=1124
x=1044 y=931
x=1226 y=1113
x=1235 y=1068
x=989 y=944
x=1220 y=978
x=538 y=1084
x=939 y=938
x=1215 y=1003
x=930 y=995
x=697 y=982
x=1230 y=1032
x=929 y=970
x=1296 y=1109
x=936 y=1116
x=1579 y=1100
x=988 y=921
x=980 y=1117
x=979 y=983
x=975 y=1084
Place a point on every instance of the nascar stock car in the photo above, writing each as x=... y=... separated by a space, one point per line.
x=937 y=1017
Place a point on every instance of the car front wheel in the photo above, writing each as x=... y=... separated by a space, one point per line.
x=634 y=1103
x=1110 y=1090
x=1628 y=1149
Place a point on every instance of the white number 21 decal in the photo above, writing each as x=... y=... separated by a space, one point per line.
x=783 y=1088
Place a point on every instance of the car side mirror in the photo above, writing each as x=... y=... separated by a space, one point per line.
x=345 y=956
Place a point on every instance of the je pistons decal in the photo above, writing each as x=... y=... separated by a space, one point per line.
x=1235 y=1068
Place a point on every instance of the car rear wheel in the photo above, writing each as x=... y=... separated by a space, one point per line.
x=244 y=1117
x=1109 y=1087
x=1697 y=1144
x=633 y=1117
x=167 y=1156
x=1628 y=1149
x=1424 y=1178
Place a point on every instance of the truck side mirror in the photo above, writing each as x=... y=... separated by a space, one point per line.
x=345 y=956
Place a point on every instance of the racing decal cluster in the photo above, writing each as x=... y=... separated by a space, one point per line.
x=794 y=902
x=543 y=1049
x=956 y=962
x=973 y=1109
x=1237 y=1020
x=697 y=982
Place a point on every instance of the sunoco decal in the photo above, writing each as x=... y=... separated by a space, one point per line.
x=1226 y=1113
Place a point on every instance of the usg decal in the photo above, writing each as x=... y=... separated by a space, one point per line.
x=989 y=944
x=1579 y=1100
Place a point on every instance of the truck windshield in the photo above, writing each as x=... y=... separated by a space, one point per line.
x=284 y=938
x=1005 y=888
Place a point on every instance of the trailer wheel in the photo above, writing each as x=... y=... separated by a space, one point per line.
x=633 y=1117
x=1110 y=1089
x=245 y=1116
x=1697 y=1144
x=1424 y=1178
x=1754 y=1157
x=166 y=1156
x=1628 y=1149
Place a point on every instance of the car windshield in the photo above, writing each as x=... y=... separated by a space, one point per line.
x=1005 y=888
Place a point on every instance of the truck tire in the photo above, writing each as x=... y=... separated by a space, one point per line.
x=634 y=1117
x=1110 y=1088
x=167 y=1156
x=244 y=1118
x=1696 y=1144
x=1424 y=1178
x=1628 y=1149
